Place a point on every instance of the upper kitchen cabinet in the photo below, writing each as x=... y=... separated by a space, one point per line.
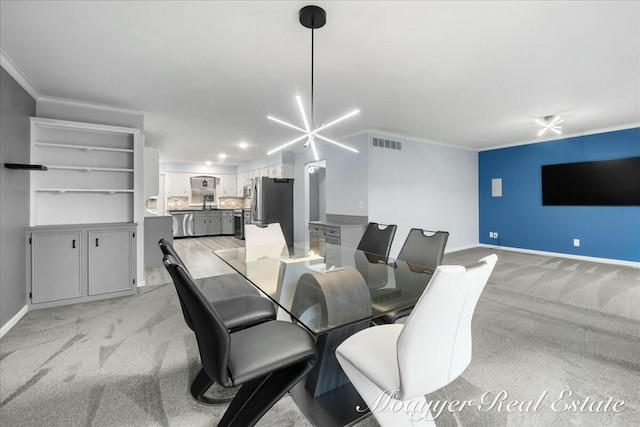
x=227 y=186
x=240 y=185
x=179 y=184
x=92 y=173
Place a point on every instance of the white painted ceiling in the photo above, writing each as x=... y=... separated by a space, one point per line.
x=206 y=74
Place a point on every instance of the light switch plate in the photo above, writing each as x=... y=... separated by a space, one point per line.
x=576 y=242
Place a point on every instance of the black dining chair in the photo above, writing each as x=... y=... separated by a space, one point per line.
x=266 y=360
x=424 y=248
x=377 y=239
x=237 y=312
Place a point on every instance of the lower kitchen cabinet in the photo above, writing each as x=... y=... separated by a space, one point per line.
x=206 y=223
x=70 y=264
x=200 y=225
x=227 y=225
x=322 y=234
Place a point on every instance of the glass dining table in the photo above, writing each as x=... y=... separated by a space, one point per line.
x=333 y=296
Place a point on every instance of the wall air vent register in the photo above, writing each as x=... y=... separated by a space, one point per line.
x=386 y=143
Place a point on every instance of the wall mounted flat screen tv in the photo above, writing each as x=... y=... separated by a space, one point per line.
x=600 y=183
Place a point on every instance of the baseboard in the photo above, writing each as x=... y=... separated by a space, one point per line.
x=571 y=256
x=461 y=248
x=12 y=322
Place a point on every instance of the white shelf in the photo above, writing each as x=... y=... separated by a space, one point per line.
x=83 y=147
x=89 y=168
x=82 y=190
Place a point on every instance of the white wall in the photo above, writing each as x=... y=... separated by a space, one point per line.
x=346 y=181
x=181 y=167
x=265 y=161
x=426 y=185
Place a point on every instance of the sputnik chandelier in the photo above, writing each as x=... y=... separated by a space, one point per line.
x=552 y=123
x=312 y=17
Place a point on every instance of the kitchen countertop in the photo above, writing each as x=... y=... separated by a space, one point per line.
x=198 y=209
x=335 y=224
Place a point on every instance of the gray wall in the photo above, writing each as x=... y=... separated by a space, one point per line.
x=426 y=185
x=16 y=106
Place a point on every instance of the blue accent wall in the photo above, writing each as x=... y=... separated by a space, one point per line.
x=522 y=222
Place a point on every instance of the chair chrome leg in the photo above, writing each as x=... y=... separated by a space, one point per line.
x=199 y=387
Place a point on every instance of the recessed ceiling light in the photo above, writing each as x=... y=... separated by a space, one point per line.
x=222 y=156
x=208 y=163
x=243 y=145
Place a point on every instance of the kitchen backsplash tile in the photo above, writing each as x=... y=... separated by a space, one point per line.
x=231 y=202
x=177 y=202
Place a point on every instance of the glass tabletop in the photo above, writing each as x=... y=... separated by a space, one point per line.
x=324 y=292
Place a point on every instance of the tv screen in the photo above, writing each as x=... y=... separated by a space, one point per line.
x=600 y=183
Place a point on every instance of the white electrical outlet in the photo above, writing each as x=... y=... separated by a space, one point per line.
x=495 y=235
x=361 y=205
x=576 y=242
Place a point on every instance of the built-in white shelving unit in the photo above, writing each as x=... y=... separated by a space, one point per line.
x=91 y=174
x=83 y=147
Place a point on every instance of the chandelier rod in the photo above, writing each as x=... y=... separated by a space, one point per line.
x=312 y=31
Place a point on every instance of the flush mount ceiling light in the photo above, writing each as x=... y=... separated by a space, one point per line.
x=552 y=123
x=222 y=156
x=312 y=17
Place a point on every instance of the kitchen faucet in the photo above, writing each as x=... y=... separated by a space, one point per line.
x=204 y=201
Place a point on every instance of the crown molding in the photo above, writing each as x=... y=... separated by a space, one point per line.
x=17 y=74
x=565 y=136
x=84 y=104
x=32 y=90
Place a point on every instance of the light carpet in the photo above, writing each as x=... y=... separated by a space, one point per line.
x=129 y=361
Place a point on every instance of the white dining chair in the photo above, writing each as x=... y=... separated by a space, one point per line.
x=271 y=235
x=394 y=366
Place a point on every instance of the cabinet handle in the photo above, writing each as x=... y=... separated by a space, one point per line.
x=97 y=244
x=73 y=244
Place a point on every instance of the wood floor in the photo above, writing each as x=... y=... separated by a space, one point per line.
x=197 y=254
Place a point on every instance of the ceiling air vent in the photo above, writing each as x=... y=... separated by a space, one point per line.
x=386 y=143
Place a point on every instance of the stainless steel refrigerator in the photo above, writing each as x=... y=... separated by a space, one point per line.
x=272 y=201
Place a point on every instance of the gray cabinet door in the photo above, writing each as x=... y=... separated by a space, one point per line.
x=56 y=266
x=200 y=225
x=214 y=226
x=110 y=261
x=227 y=225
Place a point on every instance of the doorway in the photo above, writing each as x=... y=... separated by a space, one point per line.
x=316 y=190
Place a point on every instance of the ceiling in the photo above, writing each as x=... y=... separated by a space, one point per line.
x=206 y=74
